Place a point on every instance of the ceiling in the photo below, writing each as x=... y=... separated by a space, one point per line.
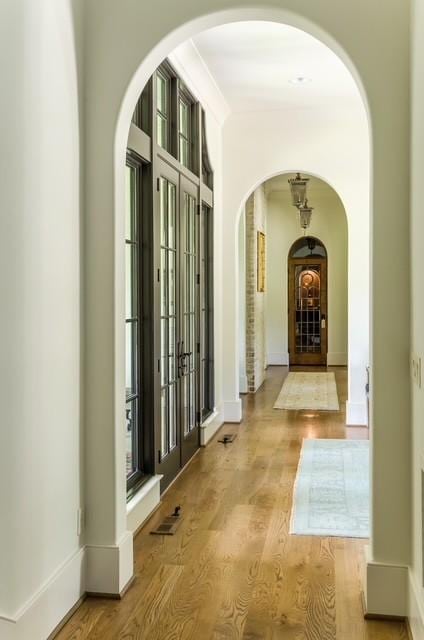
x=255 y=63
x=315 y=186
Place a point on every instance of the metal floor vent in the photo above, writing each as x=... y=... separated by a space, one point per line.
x=228 y=438
x=169 y=524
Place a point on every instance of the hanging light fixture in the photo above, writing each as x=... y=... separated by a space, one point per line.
x=298 y=190
x=305 y=214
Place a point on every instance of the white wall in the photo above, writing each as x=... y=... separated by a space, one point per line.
x=40 y=434
x=330 y=226
x=329 y=145
x=242 y=301
x=416 y=610
x=256 y=214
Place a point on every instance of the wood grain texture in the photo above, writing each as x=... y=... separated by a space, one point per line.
x=232 y=571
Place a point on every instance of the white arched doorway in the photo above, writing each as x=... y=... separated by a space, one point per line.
x=108 y=117
x=329 y=223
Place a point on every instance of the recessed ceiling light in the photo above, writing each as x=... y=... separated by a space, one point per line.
x=300 y=80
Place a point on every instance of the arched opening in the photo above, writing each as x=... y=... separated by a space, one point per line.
x=242 y=171
x=349 y=330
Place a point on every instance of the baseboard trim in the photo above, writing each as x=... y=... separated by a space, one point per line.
x=386 y=589
x=243 y=384
x=112 y=596
x=415 y=610
x=379 y=616
x=50 y=605
x=145 y=501
x=356 y=414
x=336 y=359
x=66 y=619
x=210 y=426
x=109 y=568
x=278 y=358
x=233 y=411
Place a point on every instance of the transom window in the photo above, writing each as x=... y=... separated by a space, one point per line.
x=184 y=132
x=163 y=111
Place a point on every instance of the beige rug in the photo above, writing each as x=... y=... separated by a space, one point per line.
x=313 y=390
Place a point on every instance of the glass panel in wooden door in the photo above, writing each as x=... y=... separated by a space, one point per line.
x=308 y=311
x=189 y=356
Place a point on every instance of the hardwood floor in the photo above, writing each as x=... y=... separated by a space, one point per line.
x=232 y=571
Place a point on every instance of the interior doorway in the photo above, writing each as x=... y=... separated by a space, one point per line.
x=307 y=304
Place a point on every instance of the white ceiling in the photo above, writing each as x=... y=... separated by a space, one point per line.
x=253 y=63
x=315 y=186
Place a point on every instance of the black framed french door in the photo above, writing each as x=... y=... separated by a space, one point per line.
x=189 y=356
x=176 y=343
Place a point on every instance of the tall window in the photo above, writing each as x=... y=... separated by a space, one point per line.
x=142 y=112
x=132 y=322
x=206 y=313
x=169 y=280
x=163 y=109
x=184 y=131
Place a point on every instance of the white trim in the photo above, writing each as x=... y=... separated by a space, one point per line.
x=41 y=614
x=415 y=610
x=210 y=426
x=233 y=411
x=190 y=65
x=243 y=384
x=109 y=568
x=337 y=359
x=356 y=413
x=142 y=505
x=278 y=358
x=386 y=588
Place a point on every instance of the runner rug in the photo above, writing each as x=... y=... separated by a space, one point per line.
x=331 y=492
x=313 y=390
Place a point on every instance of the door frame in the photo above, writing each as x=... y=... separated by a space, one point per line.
x=307 y=359
x=190 y=443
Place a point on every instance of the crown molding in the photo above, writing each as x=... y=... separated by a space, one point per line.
x=194 y=71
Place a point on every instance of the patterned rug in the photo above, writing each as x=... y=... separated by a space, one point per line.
x=331 y=493
x=308 y=391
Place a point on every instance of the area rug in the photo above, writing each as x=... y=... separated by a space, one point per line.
x=331 y=492
x=314 y=390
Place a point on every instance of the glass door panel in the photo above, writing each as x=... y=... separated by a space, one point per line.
x=189 y=356
x=308 y=311
x=168 y=325
x=178 y=322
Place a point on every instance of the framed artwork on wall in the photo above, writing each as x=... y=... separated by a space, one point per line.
x=261 y=261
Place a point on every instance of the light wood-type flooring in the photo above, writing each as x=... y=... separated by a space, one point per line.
x=232 y=571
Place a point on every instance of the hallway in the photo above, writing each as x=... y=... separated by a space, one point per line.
x=232 y=570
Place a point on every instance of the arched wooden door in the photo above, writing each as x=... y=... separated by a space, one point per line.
x=307 y=304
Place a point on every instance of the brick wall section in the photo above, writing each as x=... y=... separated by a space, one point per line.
x=255 y=300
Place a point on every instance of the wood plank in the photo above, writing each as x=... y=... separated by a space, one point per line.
x=232 y=570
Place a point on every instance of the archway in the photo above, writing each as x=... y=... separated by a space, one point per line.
x=119 y=93
x=331 y=222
